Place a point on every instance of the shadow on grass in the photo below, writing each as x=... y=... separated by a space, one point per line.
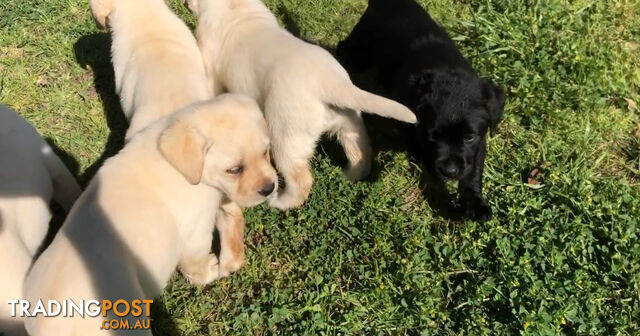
x=94 y=52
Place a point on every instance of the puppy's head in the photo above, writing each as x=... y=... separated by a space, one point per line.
x=455 y=110
x=223 y=143
x=101 y=10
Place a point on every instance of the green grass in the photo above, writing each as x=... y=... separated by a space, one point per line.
x=373 y=258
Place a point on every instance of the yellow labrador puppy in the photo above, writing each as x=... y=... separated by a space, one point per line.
x=158 y=70
x=303 y=90
x=151 y=208
x=30 y=175
x=157 y=64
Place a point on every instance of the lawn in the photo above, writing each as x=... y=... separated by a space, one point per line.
x=561 y=256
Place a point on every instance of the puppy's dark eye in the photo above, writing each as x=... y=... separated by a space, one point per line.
x=470 y=138
x=266 y=153
x=236 y=170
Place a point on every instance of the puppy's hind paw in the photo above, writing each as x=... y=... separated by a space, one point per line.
x=201 y=271
x=476 y=208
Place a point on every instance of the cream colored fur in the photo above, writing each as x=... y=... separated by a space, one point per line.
x=152 y=208
x=30 y=176
x=158 y=69
x=157 y=64
x=303 y=90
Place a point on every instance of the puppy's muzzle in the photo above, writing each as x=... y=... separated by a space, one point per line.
x=450 y=169
x=267 y=189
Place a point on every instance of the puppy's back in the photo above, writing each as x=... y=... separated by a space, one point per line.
x=30 y=175
x=29 y=167
x=157 y=63
x=398 y=38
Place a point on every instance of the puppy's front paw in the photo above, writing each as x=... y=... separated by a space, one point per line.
x=230 y=266
x=285 y=202
x=476 y=208
x=201 y=271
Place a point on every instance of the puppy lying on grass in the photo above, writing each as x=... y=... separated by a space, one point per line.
x=303 y=90
x=157 y=64
x=151 y=208
x=30 y=175
x=421 y=67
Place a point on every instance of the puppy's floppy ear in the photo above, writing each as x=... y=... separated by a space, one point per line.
x=494 y=100
x=101 y=10
x=185 y=149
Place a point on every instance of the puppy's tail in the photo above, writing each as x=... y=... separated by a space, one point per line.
x=346 y=95
x=65 y=187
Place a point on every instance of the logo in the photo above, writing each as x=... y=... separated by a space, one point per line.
x=129 y=315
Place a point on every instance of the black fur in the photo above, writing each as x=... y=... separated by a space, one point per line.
x=421 y=67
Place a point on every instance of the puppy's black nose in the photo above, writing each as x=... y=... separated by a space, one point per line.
x=449 y=170
x=267 y=190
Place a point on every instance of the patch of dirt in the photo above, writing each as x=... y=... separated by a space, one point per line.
x=13 y=52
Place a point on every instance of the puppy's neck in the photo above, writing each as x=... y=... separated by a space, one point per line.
x=218 y=19
x=142 y=153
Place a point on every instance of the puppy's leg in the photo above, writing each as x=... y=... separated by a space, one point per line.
x=292 y=155
x=197 y=264
x=297 y=178
x=200 y=270
x=230 y=224
x=470 y=188
x=65 y=188
x=353 y=137
x=293 y=142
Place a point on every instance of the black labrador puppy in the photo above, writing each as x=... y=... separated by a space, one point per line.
x=420 y=66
